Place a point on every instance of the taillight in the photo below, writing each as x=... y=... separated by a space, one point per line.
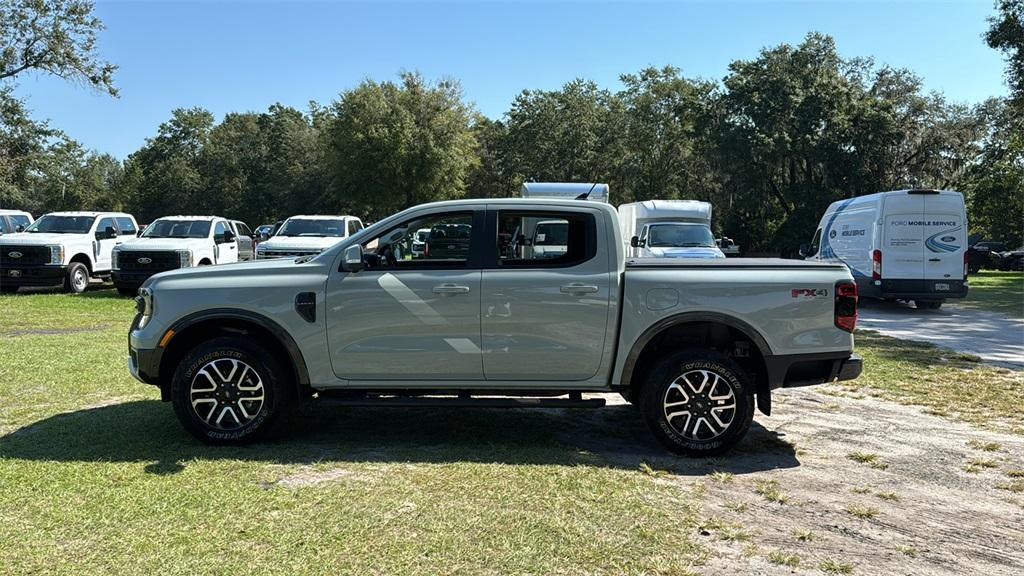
x=966 y=258
x=846 y=306
x=426 y=249
x=876 y=265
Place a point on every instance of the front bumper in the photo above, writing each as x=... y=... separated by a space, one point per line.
x=797 y=370
x=143 y=363
x=38 y=275
x=121 y=278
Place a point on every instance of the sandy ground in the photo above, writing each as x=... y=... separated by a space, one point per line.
x=992 y=336
x=933 y=515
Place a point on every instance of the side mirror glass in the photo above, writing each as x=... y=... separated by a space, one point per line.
x=634 y=242
x=264 y=236
x=106 y=233
x=805 y=250
x=352 y=259
x=228 y=237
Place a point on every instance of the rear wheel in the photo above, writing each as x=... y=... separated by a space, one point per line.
x=928 y=304
x=229 y=391
x=698 y=403
x=77 y=278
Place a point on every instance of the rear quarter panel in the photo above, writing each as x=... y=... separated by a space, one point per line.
x=790 y=306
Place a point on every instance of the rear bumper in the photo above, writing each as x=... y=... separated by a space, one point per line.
x=912 y=289
x=794 y=371
x=44 y=275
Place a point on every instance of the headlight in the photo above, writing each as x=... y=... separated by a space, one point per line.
x=144 y=305
x=115 y=260
x=184 y=258
x=56 y=254
x=260 y=252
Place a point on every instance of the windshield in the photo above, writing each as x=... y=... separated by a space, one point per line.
x=178 y=229
x=552 y=234
x=62 y=224
x=309 y=227
x=680 y=236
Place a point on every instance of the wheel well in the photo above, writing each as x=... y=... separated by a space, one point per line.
x=82 y=258
x=205 y=262
x=204 y=330
x=710 y=335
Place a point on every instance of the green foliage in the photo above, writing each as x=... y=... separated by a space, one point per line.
x=56 y=37
x=1006 y=34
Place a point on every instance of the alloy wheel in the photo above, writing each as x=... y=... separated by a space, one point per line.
x=699 y=405
x=226 y=394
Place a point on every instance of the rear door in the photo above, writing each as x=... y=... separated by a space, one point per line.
x=945 y=236
x=903 y=236
x=544 y=317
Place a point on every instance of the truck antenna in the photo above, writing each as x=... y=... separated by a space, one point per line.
x=586 y=194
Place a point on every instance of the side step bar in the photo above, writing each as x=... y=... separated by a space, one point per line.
x=463 y=402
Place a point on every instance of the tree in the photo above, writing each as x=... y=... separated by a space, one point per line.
x=56 y=37
x=391 y=146
x=23 y=144
x=1006 y=34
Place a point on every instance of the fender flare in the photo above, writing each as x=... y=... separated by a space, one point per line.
x=686 y=318
x=301 y=373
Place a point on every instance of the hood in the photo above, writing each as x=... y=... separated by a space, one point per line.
x=40 y=238
x=165 y=244
x=299 y=242
x=693 y=252
x=264 y=268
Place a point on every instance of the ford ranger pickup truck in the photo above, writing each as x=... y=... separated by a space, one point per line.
x=173 y=242
x=694 y=344
x=63 y=249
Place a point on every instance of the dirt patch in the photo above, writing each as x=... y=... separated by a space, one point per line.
x=311 y=476
x=835 y=482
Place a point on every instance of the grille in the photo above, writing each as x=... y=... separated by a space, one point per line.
x=30 y=255
x=158 y=261
x=286 y=253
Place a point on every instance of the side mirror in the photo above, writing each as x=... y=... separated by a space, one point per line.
x=634 y=242
x=106 y=233
x=19 y=228
x=352 y=259
x=805 y=250
x=138 y=233
x=726 y=242
x=264 y=236
x=228 y=237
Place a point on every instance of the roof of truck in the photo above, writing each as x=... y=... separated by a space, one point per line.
x=85 y=213
x=201 y=218
x=320 y=217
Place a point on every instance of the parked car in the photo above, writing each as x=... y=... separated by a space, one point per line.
x=170 y=243
x=668 y=229
x=694 y=343
x=904 y=245
x=419 y=241
x=245 y=238
x=1010 y=259
x=307 y=236
x=63 y=249
x=12 y=221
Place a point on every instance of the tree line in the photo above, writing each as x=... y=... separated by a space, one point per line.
x=771 y=145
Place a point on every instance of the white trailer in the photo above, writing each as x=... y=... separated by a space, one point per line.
x=668 y=229
x=565 y=190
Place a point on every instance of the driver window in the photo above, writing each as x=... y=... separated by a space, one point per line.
x=434 y=241
x=816 y=242
x=104 y=224
x=220 y=229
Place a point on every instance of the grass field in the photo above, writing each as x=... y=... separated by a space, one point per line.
x=996 y=291
x=97 y=477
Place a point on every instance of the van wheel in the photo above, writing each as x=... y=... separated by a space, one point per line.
x=229 y=391
x=928 y=304
x=698 y=403
x=77 y=278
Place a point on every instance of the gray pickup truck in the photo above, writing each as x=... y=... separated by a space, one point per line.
x=694 y=344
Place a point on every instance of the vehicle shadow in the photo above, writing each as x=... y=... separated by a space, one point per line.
x=615 y=436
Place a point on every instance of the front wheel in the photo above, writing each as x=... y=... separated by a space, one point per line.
x=698 y=403
x=77 y=279
x=229 y=390
x=9 y=289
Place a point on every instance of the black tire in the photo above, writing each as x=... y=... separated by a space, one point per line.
x=76 y=280
x=275 y=388
x=9 y=289
x=661 y=385
x=928 y=304
x=125 y=290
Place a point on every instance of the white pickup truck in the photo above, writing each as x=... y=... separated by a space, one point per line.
x=63 y=249
x=695 y=343
x=307 y=235
x=173 y=242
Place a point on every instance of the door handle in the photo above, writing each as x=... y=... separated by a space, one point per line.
x=450 y=289
x=935 y=260
x=578 y=289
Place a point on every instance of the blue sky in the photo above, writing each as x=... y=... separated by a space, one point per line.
x=244 y=56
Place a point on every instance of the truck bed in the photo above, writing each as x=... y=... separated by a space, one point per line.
x=731 y=263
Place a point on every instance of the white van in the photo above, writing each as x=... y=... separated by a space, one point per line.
x=905 y=245
x=565 y=190
x=668 y=229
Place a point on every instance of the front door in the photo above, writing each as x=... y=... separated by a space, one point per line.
x=410 y=315
x=544 y=313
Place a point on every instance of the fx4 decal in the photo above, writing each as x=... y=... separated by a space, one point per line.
x=808 y=292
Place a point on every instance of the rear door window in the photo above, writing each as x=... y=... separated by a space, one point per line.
x=535 y=239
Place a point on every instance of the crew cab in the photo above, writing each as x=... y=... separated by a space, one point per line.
x=694 y=343
x=307 y=235
x=63 y=249
x=173 y=242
